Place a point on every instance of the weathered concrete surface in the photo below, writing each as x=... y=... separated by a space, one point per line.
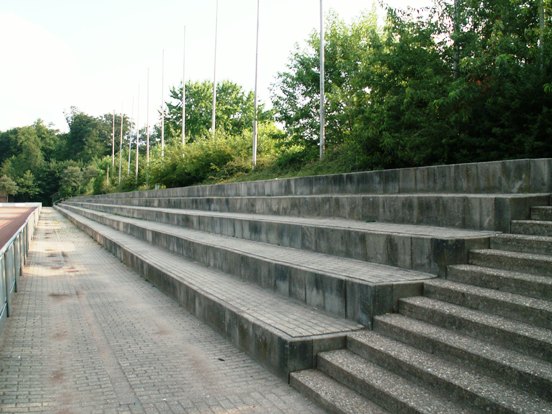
x=511 y=176
x=93 y=337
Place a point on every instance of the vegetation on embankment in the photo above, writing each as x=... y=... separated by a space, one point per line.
x=463 y=81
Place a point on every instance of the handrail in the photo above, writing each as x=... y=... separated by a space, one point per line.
x=6 y=246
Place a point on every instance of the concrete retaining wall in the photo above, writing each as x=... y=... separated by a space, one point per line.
x=512 y=176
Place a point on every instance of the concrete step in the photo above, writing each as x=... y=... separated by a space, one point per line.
x=535 y=264
x=525 y=284
x=424 y=248
x=532 y=227
x=387 y=389
x=330 y=394
x=536 y=312
x=282 y=333
x=517 y=336
x=541 y=213
x=348 y=288
x=532 y=375
x=522 y=243
x=492 y=212
x=453 y=381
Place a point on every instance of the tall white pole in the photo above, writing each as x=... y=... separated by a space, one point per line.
x=137 y=135
x=184 y=91
x=255 y=104
x=130 y=139
x=322 y=74
x=121 y=147
x=162 y=104
x=213 y=115
x=113 y=140
x=147 y=122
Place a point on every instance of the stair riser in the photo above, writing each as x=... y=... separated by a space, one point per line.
x=541 y=213
x=522 y=246
x=427 y=254
x=381 y=397
x=315 y=396
x=534 y=267
x=417 y=374
x=534 y=229
x=531 y=383
x=505 y=284
x=511 y=340
x=536 y=317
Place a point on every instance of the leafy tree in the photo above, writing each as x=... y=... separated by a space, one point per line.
x=27 y=186
x=234 y=110
x=8 y=186
x=71 y=181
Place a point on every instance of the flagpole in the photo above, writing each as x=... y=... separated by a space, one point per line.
x=147 y=121
x=322 y=74
x=162 y=105
x=130 y=140
x=184 y=91
x=121 y=146
x=137 y=134
x=255 y=104
x=213 y=115
x=113 y=140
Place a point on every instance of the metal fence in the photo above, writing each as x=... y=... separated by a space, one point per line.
x=12 y=259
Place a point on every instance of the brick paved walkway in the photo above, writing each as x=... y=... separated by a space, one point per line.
x=90 y=336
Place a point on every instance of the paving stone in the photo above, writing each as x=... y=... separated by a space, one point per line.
x=92 y=336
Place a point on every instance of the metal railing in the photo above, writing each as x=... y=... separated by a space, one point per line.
x=12 y=259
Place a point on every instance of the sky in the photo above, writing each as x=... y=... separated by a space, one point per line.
x=96 y=55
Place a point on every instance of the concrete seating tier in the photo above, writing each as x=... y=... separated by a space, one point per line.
x=414 y=290
x=423 y=248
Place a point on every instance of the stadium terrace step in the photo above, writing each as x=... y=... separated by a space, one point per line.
x=533 y=375
x=293 y=270
x=452 y=381
x=468 y=211
x=347 y=288
x=423 y=248
x=332 y=395
x=522 y=243
x=541 y=213
x=518 y=262
x=532 y=227
x=280 y=332
x=517 y=336
x=537 y=312
x=503 y=280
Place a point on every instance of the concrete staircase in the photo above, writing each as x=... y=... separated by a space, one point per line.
x=478 y=341
x=416 y=290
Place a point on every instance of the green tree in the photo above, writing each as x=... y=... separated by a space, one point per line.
x=8 y=186
x=234 y=110
x=27 y=186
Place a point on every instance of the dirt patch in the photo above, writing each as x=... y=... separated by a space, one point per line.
x=59 y=296
x=60 y=336
x=57 y=376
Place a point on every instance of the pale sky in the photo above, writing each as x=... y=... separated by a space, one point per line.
x=95 y=54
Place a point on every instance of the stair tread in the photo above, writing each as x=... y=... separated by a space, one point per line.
x=486 y=350
x=436 y=367
x=497 y=295
x=539 y=222
x=519 y=255
x=339 y=397
x=494 y=321
x=338 y=267
x=491 y=271
x=393 y=385
x=333 y=222
x=523 y=237
x=283 y=314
